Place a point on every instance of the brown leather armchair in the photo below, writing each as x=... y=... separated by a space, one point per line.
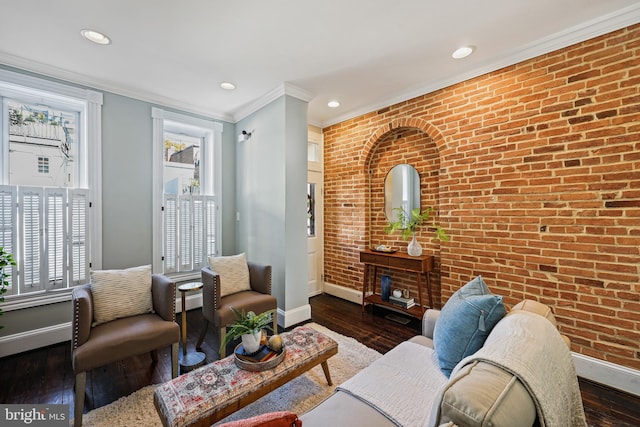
x=216 y=309
x=95 y=346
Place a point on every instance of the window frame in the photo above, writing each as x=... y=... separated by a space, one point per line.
x=210 y=172
x=88 y=104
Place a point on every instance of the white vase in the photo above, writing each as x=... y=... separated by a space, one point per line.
x=414 y=248
x=251 y=342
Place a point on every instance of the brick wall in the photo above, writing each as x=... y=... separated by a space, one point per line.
x=535 y=171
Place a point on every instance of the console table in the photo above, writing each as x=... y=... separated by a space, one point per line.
x=421 y=265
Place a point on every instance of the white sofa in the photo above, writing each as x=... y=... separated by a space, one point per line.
x=406 y=387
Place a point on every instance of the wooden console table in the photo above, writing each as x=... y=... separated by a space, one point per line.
x=421 y=265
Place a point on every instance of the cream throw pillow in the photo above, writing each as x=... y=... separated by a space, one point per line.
x=233 y=272
x=121 y=293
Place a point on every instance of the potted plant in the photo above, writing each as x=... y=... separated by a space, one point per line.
x=6 y=260
x=249 y=328
x=408 y=224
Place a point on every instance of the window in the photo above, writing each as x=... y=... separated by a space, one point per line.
x=43 y=165
x=186 y=185
x=49 y=143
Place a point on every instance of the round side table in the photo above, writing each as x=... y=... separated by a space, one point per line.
x=193 y=359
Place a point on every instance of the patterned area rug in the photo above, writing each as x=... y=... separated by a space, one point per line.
x=299 y=395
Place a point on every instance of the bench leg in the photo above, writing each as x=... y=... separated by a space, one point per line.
x=327 y=374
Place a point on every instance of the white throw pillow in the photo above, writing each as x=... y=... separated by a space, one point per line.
x=233 y=272
x=121 y=293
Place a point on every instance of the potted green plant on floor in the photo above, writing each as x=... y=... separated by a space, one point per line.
x=409 y=222
x=6 y=261
x=249 y=328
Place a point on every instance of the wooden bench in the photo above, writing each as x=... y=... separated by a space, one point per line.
x=210 y=393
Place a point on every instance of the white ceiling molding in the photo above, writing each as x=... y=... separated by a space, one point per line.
x=606 y=24
x=267 y=98
x=107 y=86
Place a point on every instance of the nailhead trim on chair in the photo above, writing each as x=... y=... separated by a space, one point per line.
x=76 y=322
x=216 y=285
x=173 y=314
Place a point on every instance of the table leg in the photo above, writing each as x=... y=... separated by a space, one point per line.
x=365 y=283
x=327 y=375
x=420 y=293
x=429 y=289
x=184 y=326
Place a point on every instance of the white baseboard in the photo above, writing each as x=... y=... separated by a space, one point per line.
x=295 y=316
x=348 y=294
x=600 y=371
x=36 y=338
x=29 y=340
x=610 y=374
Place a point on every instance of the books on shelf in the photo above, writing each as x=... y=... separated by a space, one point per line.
x=402 y=302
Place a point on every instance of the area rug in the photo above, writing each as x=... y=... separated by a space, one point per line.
x=299 y=395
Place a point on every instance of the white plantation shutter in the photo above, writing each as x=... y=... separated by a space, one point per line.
x=56 y=237
x=52 y=226
x=9 y=230
x=198 y=232
x=189 y=231
x=185 y=233
x=31 y=211
x=210 y=228
x=170 y=233
x=79 y=236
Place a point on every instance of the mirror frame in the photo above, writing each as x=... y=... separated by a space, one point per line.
x=394 y=194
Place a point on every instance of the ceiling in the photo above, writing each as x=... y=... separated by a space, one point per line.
x=365 y=53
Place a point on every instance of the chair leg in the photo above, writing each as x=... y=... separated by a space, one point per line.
x=154 y=356
x=203 y=332
x=174 y=359
x=223 y=334
x=81 y=382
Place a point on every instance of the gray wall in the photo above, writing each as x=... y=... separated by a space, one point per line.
x=271 y=195
x=126 y=199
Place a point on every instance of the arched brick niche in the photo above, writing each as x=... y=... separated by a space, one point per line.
x=394 y=144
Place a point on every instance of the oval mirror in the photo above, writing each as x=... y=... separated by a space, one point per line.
x=401 y=190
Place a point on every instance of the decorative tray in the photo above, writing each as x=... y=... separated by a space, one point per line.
x=263 y=359
x=385 y=249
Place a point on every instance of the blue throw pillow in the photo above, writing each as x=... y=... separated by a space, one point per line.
x=465 y=323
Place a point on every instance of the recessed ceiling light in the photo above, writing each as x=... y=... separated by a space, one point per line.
x=95 y=36
x=227 y=86
x=333 y=104
x=463 y=52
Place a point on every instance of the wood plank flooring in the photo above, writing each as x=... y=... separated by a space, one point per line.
x=44 y=375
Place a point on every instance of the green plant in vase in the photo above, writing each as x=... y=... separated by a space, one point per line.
x=409 y=222
x=6 y=260
x=249 y=328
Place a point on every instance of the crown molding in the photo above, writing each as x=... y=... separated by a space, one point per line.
x=282 y=89
x=605 y=24
x=46 y=70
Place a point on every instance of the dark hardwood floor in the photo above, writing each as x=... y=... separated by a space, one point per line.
x=44 y=375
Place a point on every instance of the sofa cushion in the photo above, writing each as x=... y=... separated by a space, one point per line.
x=535 y=307
x=481 y=394
x=233 y=271
x=121 y=293
x=465 y=322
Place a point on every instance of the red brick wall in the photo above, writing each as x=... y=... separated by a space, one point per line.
x=535 y=171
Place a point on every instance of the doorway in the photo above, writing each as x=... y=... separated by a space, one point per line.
x=315 y=232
